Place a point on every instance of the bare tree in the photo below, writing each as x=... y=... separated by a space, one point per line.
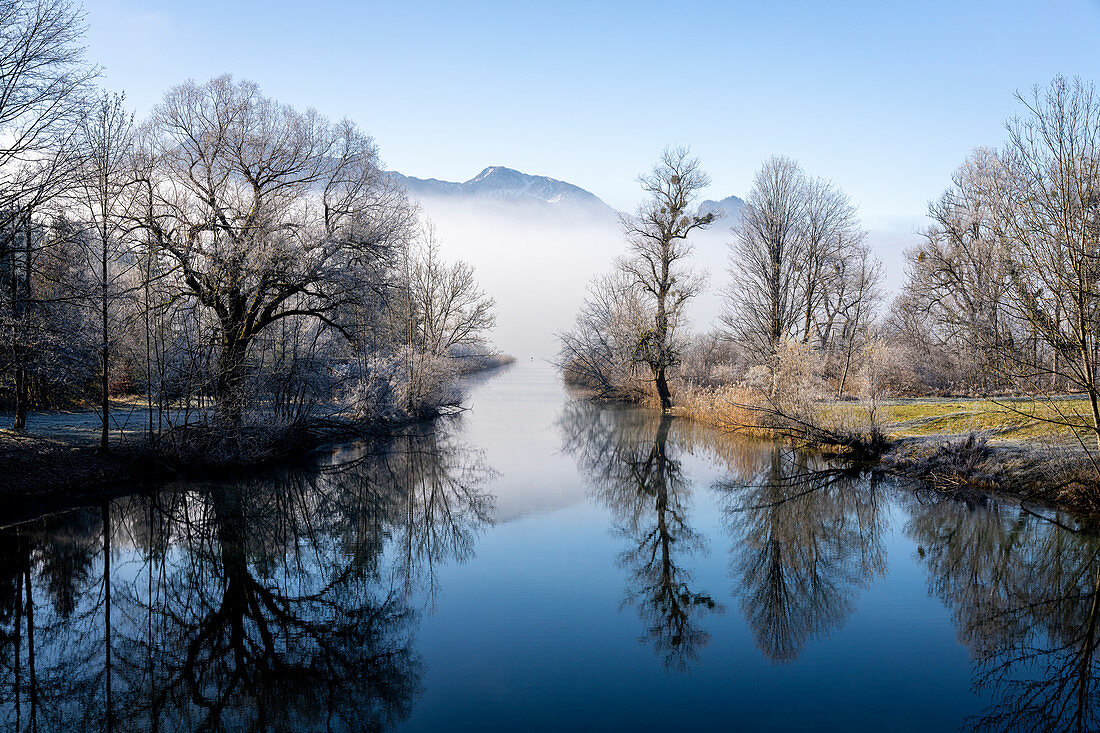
x=851 y=304
x=762 y=302
x=830 y=229
x=42 y=76
x=102 y=200
x=658 y=246
x=447 y=307
x=800 y=271
x=957 y=277
x=1045 y=200
x=268 y=213
x=598 y=352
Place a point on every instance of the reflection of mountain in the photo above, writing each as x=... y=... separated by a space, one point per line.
x=502 y=187
x=635 y=472
x=281 y=603
x=1025 y=593
x=805 y=539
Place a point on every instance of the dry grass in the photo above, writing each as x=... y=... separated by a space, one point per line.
x=727 y=408
x=990 y=445
x=1001 y=420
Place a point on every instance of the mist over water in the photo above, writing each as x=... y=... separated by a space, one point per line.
x=537 y=263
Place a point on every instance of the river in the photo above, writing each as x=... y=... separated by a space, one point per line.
x=539 y=562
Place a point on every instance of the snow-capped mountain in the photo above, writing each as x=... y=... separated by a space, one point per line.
x=728 y=208
x=508 y=191
x=500 y=185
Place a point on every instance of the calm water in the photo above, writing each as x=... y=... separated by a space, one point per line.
x=540 y=564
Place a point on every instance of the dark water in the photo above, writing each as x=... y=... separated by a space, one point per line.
x=544 y=564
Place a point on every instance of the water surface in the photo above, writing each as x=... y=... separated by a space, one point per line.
x=544 y=563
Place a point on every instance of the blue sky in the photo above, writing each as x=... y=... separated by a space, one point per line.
x=884 y=98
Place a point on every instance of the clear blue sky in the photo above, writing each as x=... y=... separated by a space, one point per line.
x=884 y=98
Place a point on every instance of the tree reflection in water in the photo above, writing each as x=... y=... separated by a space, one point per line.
x=1024 y=588
x=277 y=603
x=805 y=538
x=635 y=472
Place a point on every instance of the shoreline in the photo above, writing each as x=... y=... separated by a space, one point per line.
x=1046 y=470
x=44 y=470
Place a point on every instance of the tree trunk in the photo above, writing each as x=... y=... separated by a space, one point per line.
x=22 y=398
x=20 y=306
x=662 y=388
x=104 y=435
x=230 y=388
x=664 y=350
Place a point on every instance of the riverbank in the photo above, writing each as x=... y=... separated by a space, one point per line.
x=58 y=455
x=1007 y=445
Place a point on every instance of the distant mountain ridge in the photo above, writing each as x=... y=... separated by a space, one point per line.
x=728 y=208
x=499 y=184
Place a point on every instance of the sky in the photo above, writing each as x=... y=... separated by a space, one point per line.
x=884 y=98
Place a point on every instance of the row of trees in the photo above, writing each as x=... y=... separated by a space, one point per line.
x=801 y=275
x=1001 y=296
x=228 y=251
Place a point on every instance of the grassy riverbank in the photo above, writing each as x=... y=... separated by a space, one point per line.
x=1017 y=445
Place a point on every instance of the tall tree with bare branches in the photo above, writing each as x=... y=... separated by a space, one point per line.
x=42 y=79
x=268 y=213
x=658 y=247
x=102 y=200
x=762 y=303
x=1045 y=201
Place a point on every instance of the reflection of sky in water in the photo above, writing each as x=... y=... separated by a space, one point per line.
x=545 y=564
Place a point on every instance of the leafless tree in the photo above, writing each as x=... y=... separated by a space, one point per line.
x=850 y=310
x=800 y=271
x=1045 y=201
x=598 y=352
x=268 y=213
x=762 y=302
x=448 y=309
x=102 y=199
x=42 y=77
x=830 y=229
x=957 y=277
x=658 y=247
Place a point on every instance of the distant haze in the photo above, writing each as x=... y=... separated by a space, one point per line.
x=537 y=242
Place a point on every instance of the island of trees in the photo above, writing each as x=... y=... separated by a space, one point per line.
x=998 y=316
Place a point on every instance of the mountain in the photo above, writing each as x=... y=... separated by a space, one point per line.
x=728 y=208
x=497 y=186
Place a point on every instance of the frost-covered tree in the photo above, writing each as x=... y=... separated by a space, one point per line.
x=800 y=270
x=656 y=260
x=42 y=80
x=267 y=214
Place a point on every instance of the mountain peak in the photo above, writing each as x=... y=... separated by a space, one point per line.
x=491 y=171
x=499 y=185
x=728 y=208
